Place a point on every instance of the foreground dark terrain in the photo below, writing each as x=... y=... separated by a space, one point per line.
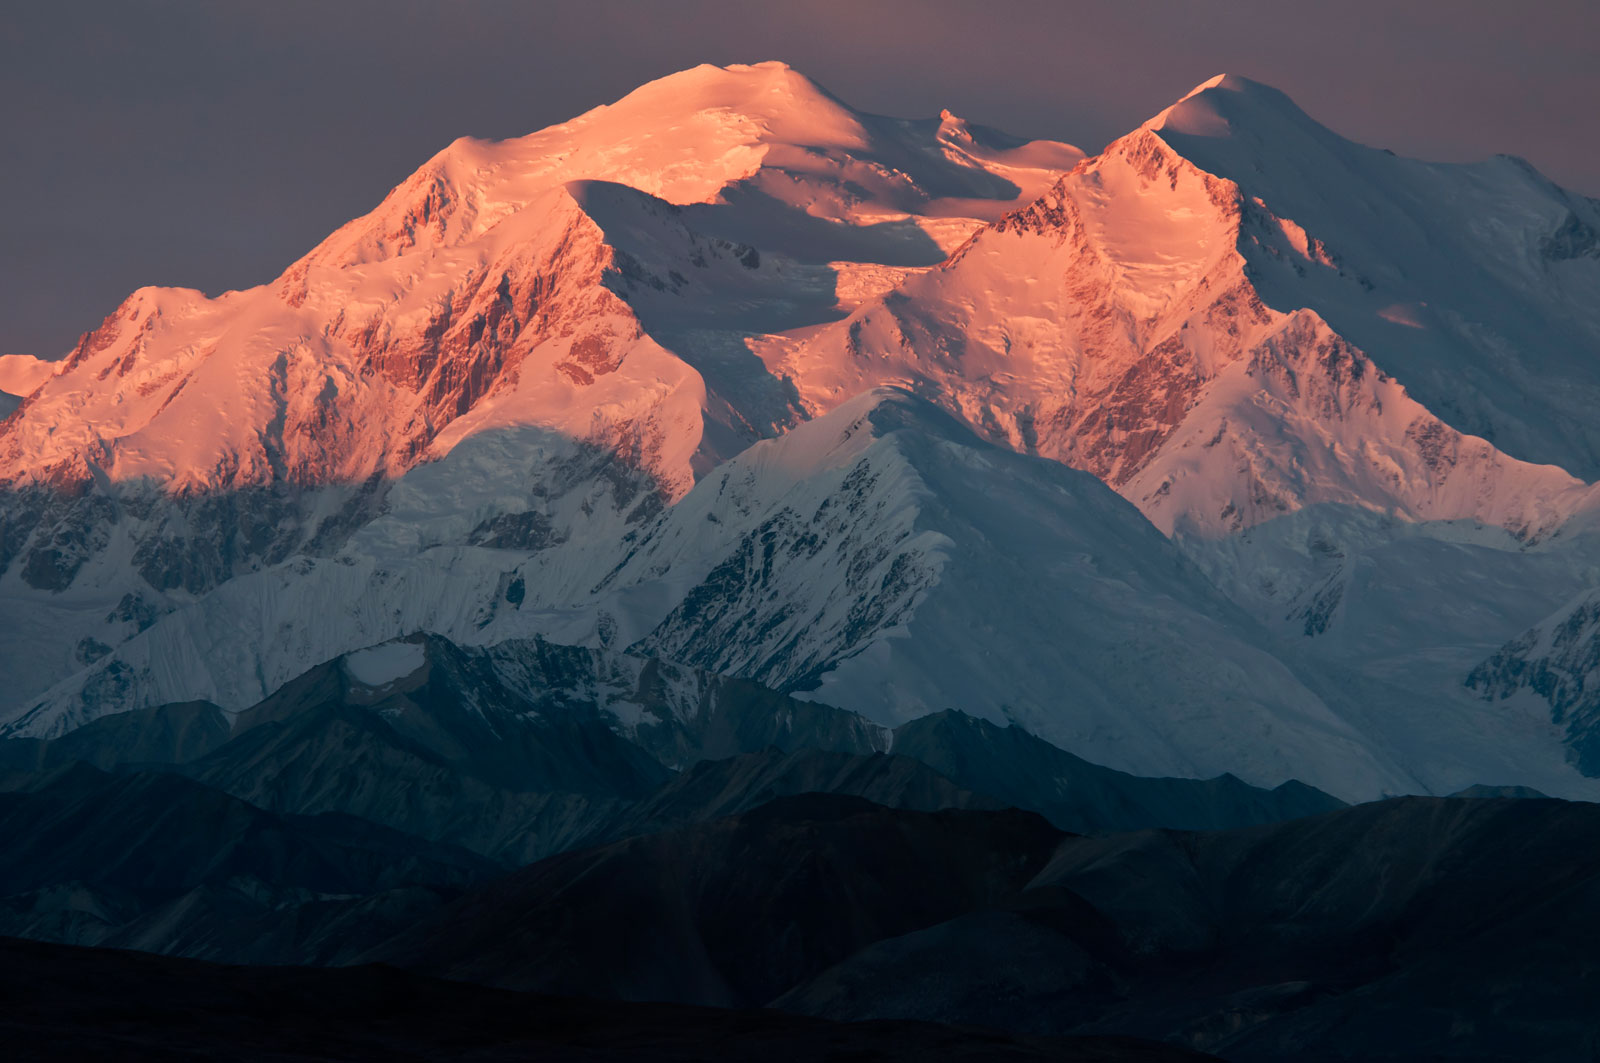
x=448 y=828
x=58 y=1002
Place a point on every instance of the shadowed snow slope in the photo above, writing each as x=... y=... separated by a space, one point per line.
x=884 y=560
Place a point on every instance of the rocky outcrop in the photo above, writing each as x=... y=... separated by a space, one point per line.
x=1557 y=662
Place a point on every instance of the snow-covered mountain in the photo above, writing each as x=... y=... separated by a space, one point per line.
x=1225 y=341
x=731 y=374
x=492 y=284
x=512 y=290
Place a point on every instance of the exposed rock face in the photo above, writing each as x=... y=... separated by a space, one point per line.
x=1559 y=663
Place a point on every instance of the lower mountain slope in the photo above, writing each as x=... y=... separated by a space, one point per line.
x=1025 y=771
x=850 y=885
x=333 y=759
x=151 y=860
x=716 y=788
x=165 y=734
x=1401 y=930
x=457 y=705
x=730 y=912
x=1405 y=929
x=523 y=750
x=155 y=832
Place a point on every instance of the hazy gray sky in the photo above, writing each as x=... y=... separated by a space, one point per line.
x=208 y=144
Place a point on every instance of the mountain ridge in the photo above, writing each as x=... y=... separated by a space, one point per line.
x=486 y=409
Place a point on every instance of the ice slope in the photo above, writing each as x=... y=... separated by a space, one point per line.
x=884 y=560
x=1024 y=594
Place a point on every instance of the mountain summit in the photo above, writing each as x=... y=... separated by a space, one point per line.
x=429 y=308
x=1183 y=321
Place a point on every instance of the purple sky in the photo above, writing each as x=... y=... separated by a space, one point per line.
x=209 y=144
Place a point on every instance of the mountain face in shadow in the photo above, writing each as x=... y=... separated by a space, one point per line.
x=715 y=788
x=1406 y=929
x=152 y=860
x=1028 y=772
x=522 y=750
x=1411 y=928
x=516 y=753
x=733 y=911
x=167 y=734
